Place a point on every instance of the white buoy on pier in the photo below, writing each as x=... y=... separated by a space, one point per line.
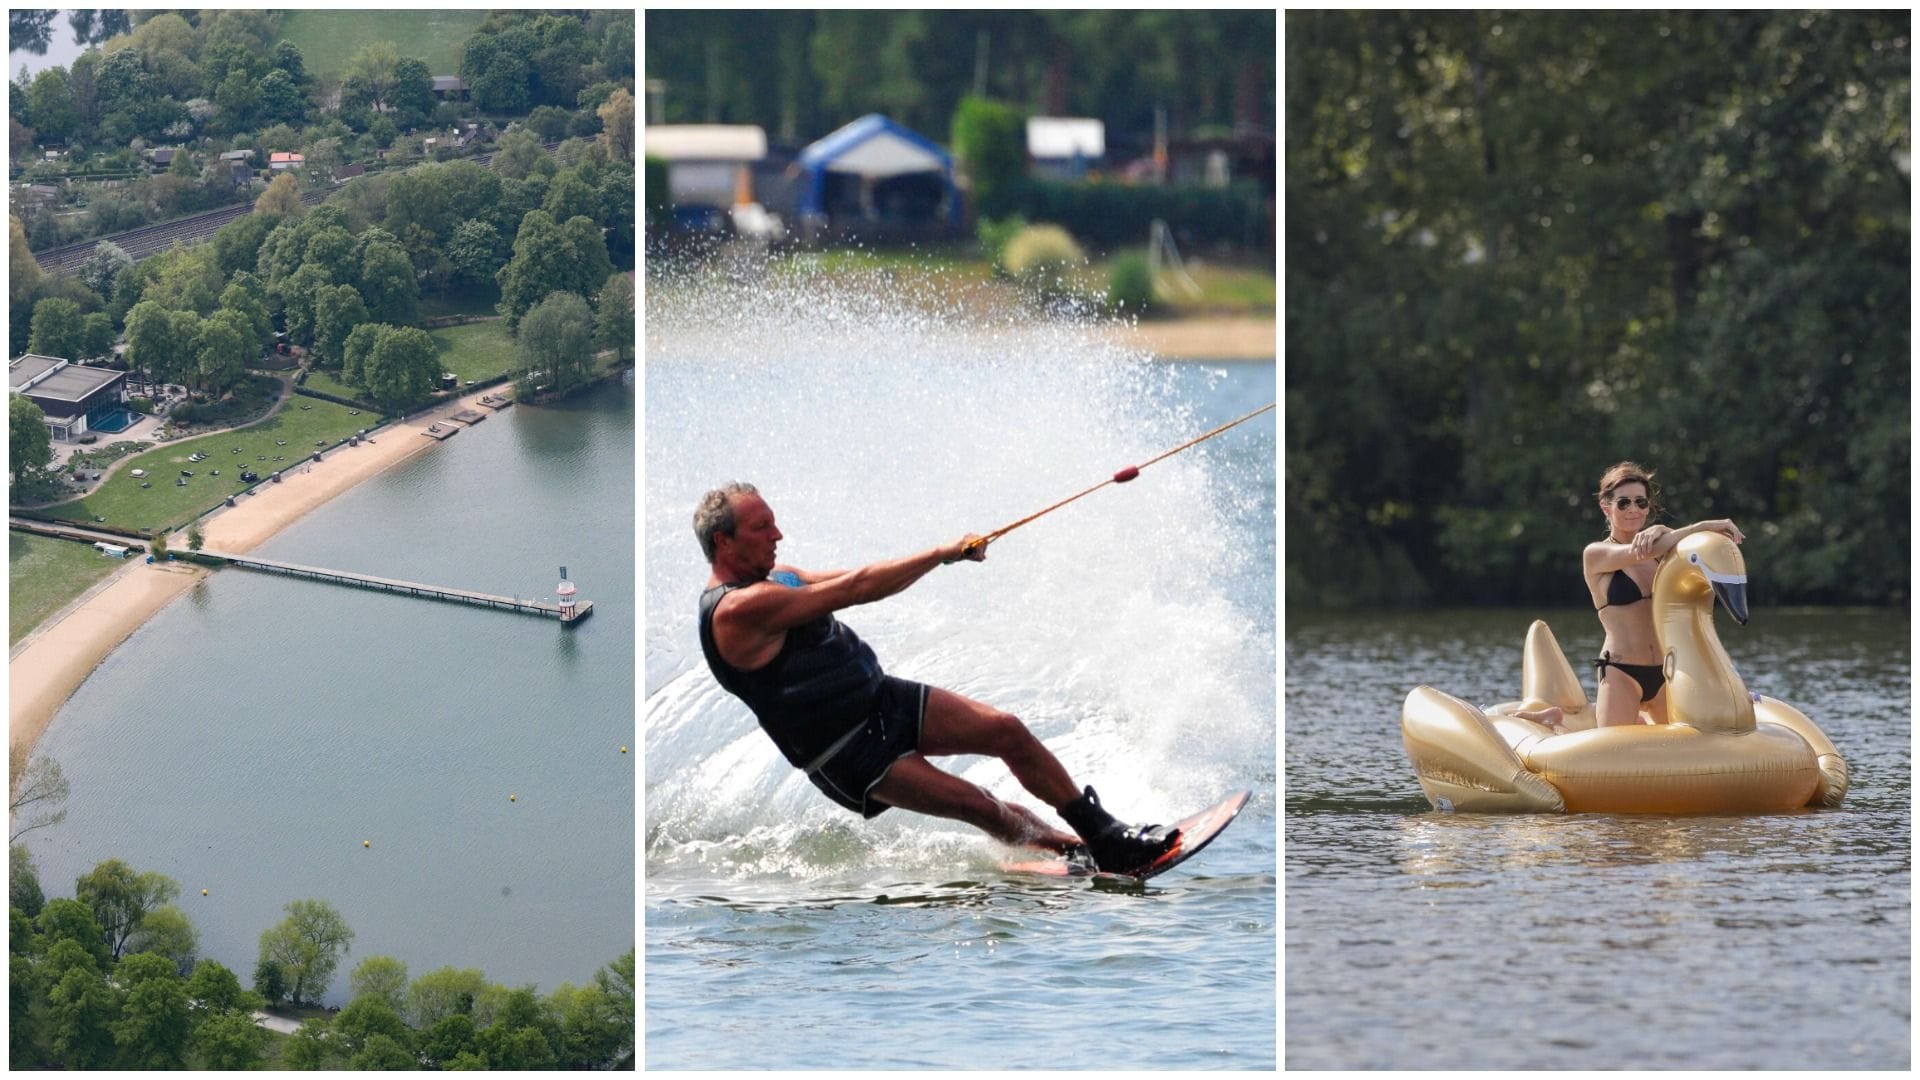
x=563 y=593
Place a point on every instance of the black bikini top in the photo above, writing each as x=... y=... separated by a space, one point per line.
x=1622 y=590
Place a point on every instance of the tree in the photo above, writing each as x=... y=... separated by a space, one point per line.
x=104 y=267
x=613 y=325
x=616 y=980
x=556 y=344
x=402 y=369
x=282 y=198
x=222 y=352
x=357 y=348
x=23 y=886
x=368 y=1017
x=80 y=1009
x=96 y=335
x=497 y=71
x=270 y=980
x=151 y=1032
x=215 y=989
x=65 y=920
x=337 y=310
x=30 y=442
x=229 y=1041
x=24 y=272
x=38 y=786
x=150 y=343
x=56 y=328
x=616 y=118
x=380 y=977
x=387 y=285
x=119 y=898
x=476 y=252
x=50 y=105
x=166 y=931
x=411 y=95
x=442 y=993
x=370 y=74
x=307 y=944
x=281 y=100
x=549 y=258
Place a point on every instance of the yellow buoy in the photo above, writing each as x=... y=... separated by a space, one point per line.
x=513 y=798
x=623 y=749
x=366 y=843
x=203 y=892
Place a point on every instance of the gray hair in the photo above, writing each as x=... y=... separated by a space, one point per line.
x=714 y=515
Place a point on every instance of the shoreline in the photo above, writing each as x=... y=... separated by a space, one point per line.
x=52 y=662
x=1215 y=338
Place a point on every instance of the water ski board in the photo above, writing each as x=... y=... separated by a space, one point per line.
x=1196 y=832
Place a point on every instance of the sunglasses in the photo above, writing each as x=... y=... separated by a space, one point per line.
x=1625 y=501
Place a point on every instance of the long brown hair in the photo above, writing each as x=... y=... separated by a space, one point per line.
x=1624 y=473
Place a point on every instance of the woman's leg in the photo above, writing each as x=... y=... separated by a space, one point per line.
x=1617 y=703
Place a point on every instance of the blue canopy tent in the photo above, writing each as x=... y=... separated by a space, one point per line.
x=874 y=150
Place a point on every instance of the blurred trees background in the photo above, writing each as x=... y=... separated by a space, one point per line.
x=1522 y=246
x=801 y=74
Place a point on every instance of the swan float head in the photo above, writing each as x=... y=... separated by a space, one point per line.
x=1707 y=693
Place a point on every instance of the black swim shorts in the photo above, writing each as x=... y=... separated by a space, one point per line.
x=861 y=760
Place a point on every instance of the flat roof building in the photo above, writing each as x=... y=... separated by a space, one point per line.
x=75 y=398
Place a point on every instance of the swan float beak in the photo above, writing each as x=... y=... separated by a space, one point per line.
x=1732 y=592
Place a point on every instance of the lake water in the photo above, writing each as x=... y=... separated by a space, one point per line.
x=1418 y=939
x=1132 y=630
x=253 y=734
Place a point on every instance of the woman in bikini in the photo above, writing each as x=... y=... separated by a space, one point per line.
x=1619 y=572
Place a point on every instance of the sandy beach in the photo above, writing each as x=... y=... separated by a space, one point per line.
x=51 y=663
x=1207 y=337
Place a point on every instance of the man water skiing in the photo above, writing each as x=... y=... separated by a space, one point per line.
x=863 y=737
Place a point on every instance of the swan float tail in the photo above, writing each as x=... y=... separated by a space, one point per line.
x=1463 y=762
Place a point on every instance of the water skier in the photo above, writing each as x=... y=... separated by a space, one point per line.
x=863 y=737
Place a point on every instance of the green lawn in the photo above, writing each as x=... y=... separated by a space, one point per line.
x=44 y=575
x=328 y=39
x=301 y=425
x=476 y=350
x=473 y=351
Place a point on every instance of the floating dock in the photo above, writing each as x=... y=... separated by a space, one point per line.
x=442 y=430
x=469 y=417
x=411 y=588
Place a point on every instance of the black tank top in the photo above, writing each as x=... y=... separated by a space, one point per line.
x=821 y=684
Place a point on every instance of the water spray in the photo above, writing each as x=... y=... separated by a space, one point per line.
x=1119 y=477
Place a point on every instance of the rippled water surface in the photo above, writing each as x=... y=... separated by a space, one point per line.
x=250 y=738
x=1133 y=631
x=1418 y=939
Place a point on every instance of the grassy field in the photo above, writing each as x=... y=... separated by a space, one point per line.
x=289 y=436
x=44 y=575
x=472 y=351
x=958 y=274
x=476 y=350
x=328 y=39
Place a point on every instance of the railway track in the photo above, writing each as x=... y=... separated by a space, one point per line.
x=197 y=228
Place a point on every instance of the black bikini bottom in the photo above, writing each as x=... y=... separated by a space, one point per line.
x=1651 y=677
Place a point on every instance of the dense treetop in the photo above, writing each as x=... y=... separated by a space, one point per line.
x=1522 y=246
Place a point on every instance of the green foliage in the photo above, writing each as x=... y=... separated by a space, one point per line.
x=118 y=896
x=1525 y=245
x=29 y=442
x=307 y=945
x=402 y=368
x=613 y=323
x=1130 y=283
x=380 y=977
x=550 y=258
x=1040 y=256
x=270 y=980
x=1112 y=216
x=228 y=1041
x=151 y=1030
x=23 y=884
x=556 y=344
x=57 y=329
x=166 y=931
x=990 y=144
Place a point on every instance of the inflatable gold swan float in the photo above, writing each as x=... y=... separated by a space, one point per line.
x=1723 y=751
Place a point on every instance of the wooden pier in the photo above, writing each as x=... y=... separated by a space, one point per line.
x=412 y=588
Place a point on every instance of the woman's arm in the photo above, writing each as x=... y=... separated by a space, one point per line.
x=1660 y=546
